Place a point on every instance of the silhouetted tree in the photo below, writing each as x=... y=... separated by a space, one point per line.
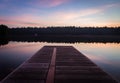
x=3 y=34
x=3 y=30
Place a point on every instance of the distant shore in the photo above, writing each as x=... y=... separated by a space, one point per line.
x=70 y=34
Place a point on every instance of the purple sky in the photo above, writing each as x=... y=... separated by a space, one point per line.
x=18 y=13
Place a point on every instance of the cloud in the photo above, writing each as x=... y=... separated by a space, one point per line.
x=57 y=2
x=83 y=13
x=13 y=23
x=85 y=17
x=21 y=21
x=48 y=3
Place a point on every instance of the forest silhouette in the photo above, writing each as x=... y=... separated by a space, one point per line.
x=67 y=34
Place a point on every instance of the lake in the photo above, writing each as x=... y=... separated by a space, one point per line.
x=105 y=55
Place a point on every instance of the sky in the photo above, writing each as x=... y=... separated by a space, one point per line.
x=43 y=13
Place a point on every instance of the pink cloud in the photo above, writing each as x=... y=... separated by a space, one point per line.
x=21 y=21
x=57 y=2
x=82 y=17
x=49 y=3
x=71 y=15
x=13 y=23
x=61 y=18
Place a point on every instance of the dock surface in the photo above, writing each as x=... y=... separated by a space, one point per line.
x=58 y=64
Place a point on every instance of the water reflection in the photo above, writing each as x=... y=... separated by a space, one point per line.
x=105 y=55
x=15 y=53
x=3 y=41
x=62 y=39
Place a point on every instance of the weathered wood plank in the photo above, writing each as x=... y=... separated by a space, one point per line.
x=73 y=67
x=58 y=64
x=34 y=70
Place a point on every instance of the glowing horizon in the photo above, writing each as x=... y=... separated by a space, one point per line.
x=43 y=13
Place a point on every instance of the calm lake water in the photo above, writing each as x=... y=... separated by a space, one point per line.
x=105 y=55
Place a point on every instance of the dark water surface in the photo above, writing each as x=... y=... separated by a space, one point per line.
x=105 y=55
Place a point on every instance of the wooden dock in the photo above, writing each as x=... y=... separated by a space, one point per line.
x=58 y=64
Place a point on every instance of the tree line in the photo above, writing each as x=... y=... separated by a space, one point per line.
x=61 y=31
x=69 y=34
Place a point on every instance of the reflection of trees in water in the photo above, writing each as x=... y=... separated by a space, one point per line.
x=3 y=41
x=65 y=39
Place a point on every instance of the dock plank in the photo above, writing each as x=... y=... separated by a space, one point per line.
x=58 y=64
